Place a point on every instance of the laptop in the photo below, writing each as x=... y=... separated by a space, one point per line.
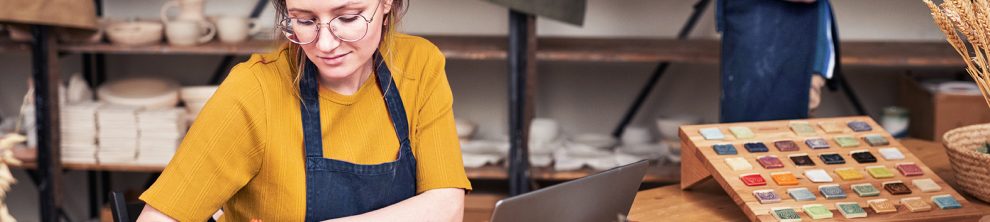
x=605 y=196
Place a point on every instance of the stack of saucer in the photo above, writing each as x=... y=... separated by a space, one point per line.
x=161 y=131
x=79 y=132
x=118 y=133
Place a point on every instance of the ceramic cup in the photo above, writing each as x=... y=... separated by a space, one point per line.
x=235 y=29
x=188 y=32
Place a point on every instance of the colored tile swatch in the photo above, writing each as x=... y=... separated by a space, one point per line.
x=817 y=176
x=926 y=185
x=830 y=127
x=876 y=140
x=756 y=147
x=849 y=174
x=724 y=149
x=882 y=206
x=831 y=158
x=817 y=211
x=863 y=156
x=879 y=172
x=846 y=141
x=891 y=154
x=738 y=163
x=742 y=132
x=816 y=143
x=909 y=169
x=832 y=191
x=770 y=162
x=753 y=179
x=786 y=145
x=802 y=128
x=865 y=190
x=850 y=210
x=801 y=159
x=916 y=204
x=801 y=194
x=946 y=202
x=784 y=178
x=712 y=133
x=859 y=126
x=766 y=196
x=896 y=187
x=785 y=214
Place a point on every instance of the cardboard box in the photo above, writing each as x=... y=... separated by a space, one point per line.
x=932 y=114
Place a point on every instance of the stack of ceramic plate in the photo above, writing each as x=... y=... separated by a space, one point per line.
x=477 y=153
x=593 y=150
x=161 y=131
x=141 y=92
x=118 y=133
x=195 y=98
x=79 y=132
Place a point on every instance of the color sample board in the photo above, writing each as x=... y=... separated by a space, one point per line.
x=700 y=162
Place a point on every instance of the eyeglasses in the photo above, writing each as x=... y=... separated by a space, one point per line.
x=348 y=28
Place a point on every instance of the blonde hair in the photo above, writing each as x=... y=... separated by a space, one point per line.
x=297 y=56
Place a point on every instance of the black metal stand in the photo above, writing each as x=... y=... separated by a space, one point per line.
x=699 y=9
x=518 y=65
x=46 y=79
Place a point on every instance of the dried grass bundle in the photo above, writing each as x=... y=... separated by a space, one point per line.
x=967 y=28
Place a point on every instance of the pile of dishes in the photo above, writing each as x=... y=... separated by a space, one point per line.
x=592 y=150
x=669 y=128
x=637 y=144
x=79 y=132
x=161 y=131
x=476 y=152
x=545 y=137
x=118 y=133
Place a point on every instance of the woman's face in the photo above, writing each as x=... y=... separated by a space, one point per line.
x=334 y=58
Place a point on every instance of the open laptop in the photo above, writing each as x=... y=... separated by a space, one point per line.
x=600 y=197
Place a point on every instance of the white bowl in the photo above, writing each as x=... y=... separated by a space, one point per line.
x=635 y=136
x=197 y=93
x=669 y=127
x=148 y=93
x=135 y=33
x=464 y=128
x=543 y=129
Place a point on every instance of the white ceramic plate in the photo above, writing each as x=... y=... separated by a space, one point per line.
x=141 y=92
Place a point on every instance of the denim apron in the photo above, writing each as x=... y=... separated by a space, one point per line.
x=336 y=188
x=768 y=52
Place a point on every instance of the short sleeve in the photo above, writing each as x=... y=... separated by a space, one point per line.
x=437 y=149
x=219 y=154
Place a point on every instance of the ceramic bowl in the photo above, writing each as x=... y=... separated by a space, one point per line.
x=543 y=129
x=464 y=128
x=148 y=93
x=670 y=127
x=197 y=93
x=635 y=136
x=135 y=33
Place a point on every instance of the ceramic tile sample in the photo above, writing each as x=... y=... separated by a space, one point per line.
x=946 y=202
x=770 y=162
x=863 y=156
x=742 y=132
x=785 y=214
x=876 y=140
x=817 y=176
x=817 y=211
x=786 y=145
x=753 y=179
x=896 y=187
x=738 y=163
x=766 y=196
x=850 y=210
x=909 y=169
x=891 y=153
x=846 y=141
x=847 y=173
x=816 y=143
x=832 y=158
x=801 y=159
x=756 y=147
x=865 y=190
x=712 y=133
x=784 y=178
x=830 y=127
x=859 y=126
x=802 y=128
x=882 y=206
x=879 y=172
x=801 y=194
x=724 y=149
x=926 y=185
x=916 y=204
x=832 y=191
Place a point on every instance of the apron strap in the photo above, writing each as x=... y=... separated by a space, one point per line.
x=310 y=106
x=396 y=110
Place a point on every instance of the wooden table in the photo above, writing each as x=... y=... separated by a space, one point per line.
x=708 y=202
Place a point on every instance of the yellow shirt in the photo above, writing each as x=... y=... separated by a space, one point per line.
x=244 y=152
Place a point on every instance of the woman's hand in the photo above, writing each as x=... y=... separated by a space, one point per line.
x=445 y=204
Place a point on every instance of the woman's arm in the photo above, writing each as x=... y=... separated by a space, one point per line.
x=150 y=214
x=445 y=204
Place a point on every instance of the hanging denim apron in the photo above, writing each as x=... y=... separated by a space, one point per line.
x=336 y=188
x=768 y=52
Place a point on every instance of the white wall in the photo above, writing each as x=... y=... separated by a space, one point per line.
x=585 y=97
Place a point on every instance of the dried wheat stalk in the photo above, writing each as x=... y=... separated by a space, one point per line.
x=967 y=28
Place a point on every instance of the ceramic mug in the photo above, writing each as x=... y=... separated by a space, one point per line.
x=186 y=32
x=235 y=29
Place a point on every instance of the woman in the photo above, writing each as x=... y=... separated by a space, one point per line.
x=349 y=121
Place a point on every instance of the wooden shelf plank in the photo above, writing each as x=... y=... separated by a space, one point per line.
x=211 y=48
x=11 y=46
x=699 y=51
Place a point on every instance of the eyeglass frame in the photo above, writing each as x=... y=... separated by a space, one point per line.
x=319 y=25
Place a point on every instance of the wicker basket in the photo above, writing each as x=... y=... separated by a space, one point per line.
x=972 y=168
